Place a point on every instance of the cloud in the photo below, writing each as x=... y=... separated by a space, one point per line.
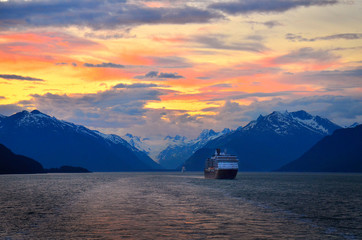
x=266 y=6
x=161 y=75
x=306 y=55
x=103 y=65
x=169 y=75
x=269 y=24
x=345 y=36
x=339 y=73
x=218 y=42
x=96 y=14
x=204 y=78
x=115 y=108
x=119 y=33
x=136 y=85
x=18 y=77
x=9 y=109
x=241 y=95
x=151 y=74
x=171 y=62
x=346 y=80
x=342 y=110
x=64 y=64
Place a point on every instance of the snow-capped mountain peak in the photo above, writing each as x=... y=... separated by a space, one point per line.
x=303 y=115
x=206 y=133
x=176 y=152
x=57 y=141
x=176 y=139
x=137 y=142
x=284 y=123
x=33 y=118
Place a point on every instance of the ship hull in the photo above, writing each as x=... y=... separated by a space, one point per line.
x=220 y=173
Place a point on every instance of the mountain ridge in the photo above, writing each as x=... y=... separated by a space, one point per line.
x=268 y=142
x=11 y=163
x=339 y=152
x=56 y=142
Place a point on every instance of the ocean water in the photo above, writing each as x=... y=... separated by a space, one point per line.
x=181 y=206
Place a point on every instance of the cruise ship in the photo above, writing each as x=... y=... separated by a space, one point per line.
x=221 y=166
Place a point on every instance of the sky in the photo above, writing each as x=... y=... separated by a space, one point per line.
x=158 y=68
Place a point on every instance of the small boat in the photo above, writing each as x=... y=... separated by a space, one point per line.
x=221 y=166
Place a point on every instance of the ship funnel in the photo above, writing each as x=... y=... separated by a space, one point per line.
x=218 y=150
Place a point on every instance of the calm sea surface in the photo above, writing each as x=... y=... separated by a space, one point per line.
x=180 y=206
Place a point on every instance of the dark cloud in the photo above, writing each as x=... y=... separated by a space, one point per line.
x=171 y=62
x=103 y=65
x=345 y=36
x=9 y=109
x=219 y=42
x=115 y=108
x=64 y=64
x=238 y=95
x=161 y=75
x=337 y=108
x=269 y=24
x=120 y=33
x=151 y=74
x=96 y=14
x=306 y=55
x=169 y=75
x=136 y=85
x=338 y=73
x=266 y=6
x=18 y=77
x=332 y=81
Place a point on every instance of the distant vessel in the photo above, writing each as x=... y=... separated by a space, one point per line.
x=221 y=166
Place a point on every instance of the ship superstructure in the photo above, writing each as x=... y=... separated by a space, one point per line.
x=221 y=166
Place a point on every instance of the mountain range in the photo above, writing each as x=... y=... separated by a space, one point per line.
x=269 y=142
x=288 y=141
x=340 y=152
x=54 y=143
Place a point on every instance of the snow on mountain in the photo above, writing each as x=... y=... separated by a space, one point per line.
x=56 y=142
x=285 y=123
x=137 y=142
x=353 y=125
x=38 y=119
x=269 y=141
x=179 y=148
x=177 y=140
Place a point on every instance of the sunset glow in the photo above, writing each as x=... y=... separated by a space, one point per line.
x=146 y=66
